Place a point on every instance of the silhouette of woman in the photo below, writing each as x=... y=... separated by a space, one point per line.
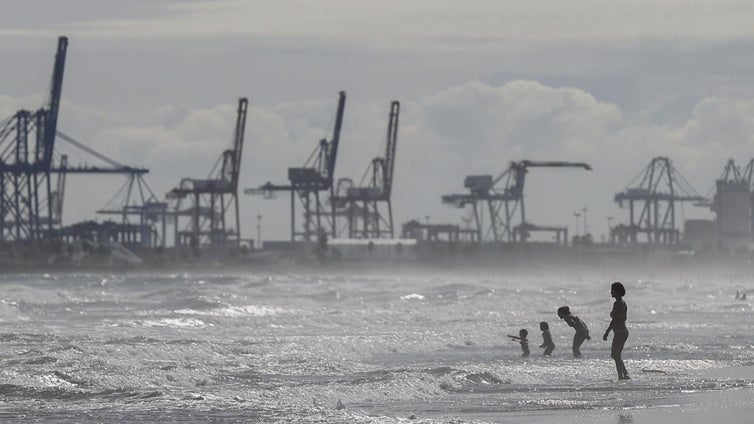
x=618 y=325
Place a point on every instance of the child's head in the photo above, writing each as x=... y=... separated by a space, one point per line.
x=523 y=333
x=564 y=311
x=543 y=326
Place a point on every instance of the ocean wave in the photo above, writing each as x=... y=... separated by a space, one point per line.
x=172 y=322
x=237 y=311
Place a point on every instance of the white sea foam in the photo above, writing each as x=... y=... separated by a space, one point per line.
x=173 y=322
x=374 y=342
x=237 y=311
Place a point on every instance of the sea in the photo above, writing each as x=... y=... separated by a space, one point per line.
x=375 y=345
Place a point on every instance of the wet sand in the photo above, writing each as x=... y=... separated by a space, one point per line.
x=734 y=405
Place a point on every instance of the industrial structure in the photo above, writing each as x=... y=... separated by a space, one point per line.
x=354 y=216
x=367 y=207
x=732 y=202
x=309 y=182
x=26 y=141
x=503 y=198
x=211 y=199
x=453 y=233
x=141 y=213
x=656 y=190
x=30 y=209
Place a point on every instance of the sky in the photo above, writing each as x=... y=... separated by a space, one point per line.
x=483 y=83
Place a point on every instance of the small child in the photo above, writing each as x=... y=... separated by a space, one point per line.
x=547 y=343
x=522 y=340
x=582 y=331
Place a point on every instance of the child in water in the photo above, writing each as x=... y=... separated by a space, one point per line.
x=522 y=340
x=547 y=344
x=582 y=331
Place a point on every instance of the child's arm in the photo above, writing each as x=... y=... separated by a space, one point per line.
x=514 y=337
x=570 y=321
x=546 y=339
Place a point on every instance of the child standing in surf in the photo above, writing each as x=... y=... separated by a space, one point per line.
x=582 y=331
x=523 y=341
x=547 y=339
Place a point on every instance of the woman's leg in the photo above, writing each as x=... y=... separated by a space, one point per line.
x=619 y=340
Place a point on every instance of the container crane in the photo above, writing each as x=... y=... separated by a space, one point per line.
x=30 y=211
x=306 y=183
x=140 y=211
x=503 y=196
x=656 y=189
x=366 y=219
x=25 y=169
x=212 y=198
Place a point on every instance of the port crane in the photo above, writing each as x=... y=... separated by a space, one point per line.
x=367 y=207
x=140 y=210
x=655 y=190
x=30 y=210
x=503 y=198
x=211 y=199
x=308 y=181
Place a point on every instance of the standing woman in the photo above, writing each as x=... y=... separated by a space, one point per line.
x=618 y=325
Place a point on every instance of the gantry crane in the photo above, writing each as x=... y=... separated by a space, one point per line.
x=212 y=198
x=361 y=204
x=30 y=211
x=657 y=188
x=308 y=181
x=504 y=201
x=25 y=162
x=139 y=208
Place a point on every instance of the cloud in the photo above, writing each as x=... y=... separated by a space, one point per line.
x=444 y=25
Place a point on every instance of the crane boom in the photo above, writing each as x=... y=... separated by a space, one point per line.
x=392 y=140
x=333 y=151
x=232 y=158
x=517 y=172
x=53 y=105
